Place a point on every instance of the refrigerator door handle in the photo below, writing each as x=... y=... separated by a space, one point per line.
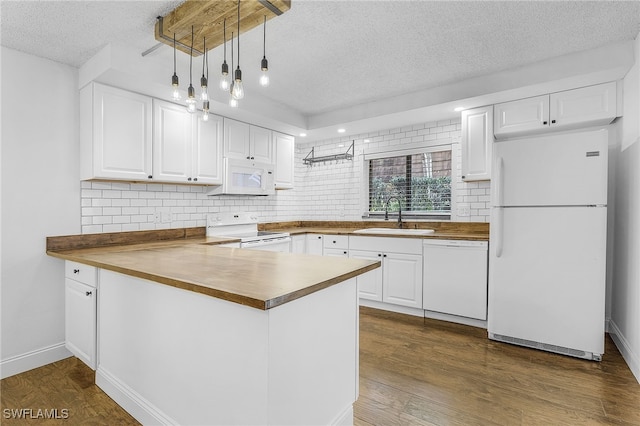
x=499 y=183
x=499 y=230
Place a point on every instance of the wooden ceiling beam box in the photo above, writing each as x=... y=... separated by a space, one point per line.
x=207 y=18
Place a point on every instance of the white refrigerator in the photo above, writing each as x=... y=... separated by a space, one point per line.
x=548 y=243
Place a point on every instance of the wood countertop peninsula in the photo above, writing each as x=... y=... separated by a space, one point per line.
x=186 y=258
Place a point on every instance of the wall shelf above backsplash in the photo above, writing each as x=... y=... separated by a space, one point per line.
x=311 y=158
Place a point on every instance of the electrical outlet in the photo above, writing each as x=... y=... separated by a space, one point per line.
x=464 y=210
x=156 y=217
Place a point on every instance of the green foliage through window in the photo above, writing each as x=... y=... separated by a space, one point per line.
x=421 y=182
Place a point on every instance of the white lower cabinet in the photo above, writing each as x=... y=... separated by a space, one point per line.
x=81 y=295
x=335 y=245
x=399 y=281
x=314 y=244
x=299 y=244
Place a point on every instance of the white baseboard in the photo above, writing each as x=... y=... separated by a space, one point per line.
x=34 y=359
x=632 y=359
x=132 y=402
x=345 y=418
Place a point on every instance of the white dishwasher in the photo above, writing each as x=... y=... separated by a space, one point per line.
x=455 y=277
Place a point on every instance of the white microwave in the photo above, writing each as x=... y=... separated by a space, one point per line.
x=246 y=177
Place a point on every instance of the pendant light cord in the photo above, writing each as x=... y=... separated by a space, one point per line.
x=224 y=31
x=238 y=34
x=174 y=53
x=264 y=38
x=191 y=59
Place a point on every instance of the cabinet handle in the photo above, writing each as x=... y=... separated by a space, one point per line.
x=384 y=255
x=334 y=241
x=320 y=237
x=544 y=122
x=189 y=179
x=252 y=158
x=195 y=179
x=88 y=293
x=248 y=158
x=553 y=121
x=344 y=252
x=150 y=177
x=76 y=271
x=379 y=255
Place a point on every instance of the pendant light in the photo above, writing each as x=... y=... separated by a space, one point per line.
x=224 y=77
x=233 y=102
x=203 y=80
x=205 y=102
x=264 y=64
x=191 y=92
x=238 y=90
x=174 y=79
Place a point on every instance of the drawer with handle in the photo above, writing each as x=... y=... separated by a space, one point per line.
x=82 y=273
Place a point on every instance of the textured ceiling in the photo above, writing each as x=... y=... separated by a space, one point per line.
x=325 y=55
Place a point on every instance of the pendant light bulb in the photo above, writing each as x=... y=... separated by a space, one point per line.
x=175 y=94
x=191 y=99
x=203 y=80
x=264 y=77
x=264 y=64
x=238 y=90
x=224 y=76
x=205 y=111
x=233 y=103
x=191 y=92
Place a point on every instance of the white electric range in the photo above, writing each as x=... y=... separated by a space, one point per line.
x=245 y=227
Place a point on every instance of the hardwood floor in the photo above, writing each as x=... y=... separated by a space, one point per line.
x=412 y=372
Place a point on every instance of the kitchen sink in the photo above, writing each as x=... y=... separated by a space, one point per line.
x=394 y=231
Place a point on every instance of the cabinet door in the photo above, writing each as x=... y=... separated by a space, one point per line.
x=284 y=155
x=261 y=144
x=593 y=105
x=402 y=279
x=477 y=142
x=207 y=150
x=117 y=136
x=370 y=283
x=80 y=321
x=171 y=142
x=314 y=244
x=298 y=244
x=236 y=139
x=521 y=117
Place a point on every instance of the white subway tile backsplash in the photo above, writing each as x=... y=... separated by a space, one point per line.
x=324 y=191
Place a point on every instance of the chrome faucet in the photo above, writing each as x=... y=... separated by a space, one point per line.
x=386 y=210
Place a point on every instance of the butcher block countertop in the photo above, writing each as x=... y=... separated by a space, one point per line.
x=185 y=258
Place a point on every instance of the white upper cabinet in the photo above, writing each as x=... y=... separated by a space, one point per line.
x=260 y=144
x=522 y=116
x=571 y=109
x=477 y=143
x=186 y=149
x=207 y=150
x=595 y=105
x=247 y=142
x=284 y=155
x=115 y=134
x=171 y=142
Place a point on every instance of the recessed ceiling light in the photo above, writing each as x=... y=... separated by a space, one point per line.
x=458 y=109
x=302 y=135
x=341 y=130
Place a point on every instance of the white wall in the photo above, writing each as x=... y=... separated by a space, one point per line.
x=40 y=198
x=625 y=303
